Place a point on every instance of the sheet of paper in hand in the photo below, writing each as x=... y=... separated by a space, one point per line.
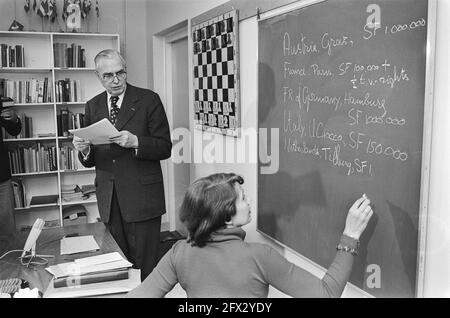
x=96 y=133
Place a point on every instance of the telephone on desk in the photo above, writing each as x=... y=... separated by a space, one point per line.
x=29 y=250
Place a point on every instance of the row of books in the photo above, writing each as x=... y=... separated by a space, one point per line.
x=66 y=55
x=12 y=56
x=68 y=120
x=68 y=159
x=27 y=91
x=37 y=158
x=65 y=120
x=68 y=90
x=25 y=132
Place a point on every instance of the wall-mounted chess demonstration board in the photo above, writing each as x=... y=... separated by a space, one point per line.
x=216 y=74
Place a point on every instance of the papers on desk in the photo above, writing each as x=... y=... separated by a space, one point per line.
x=88 y=265
x=97 y=133
x=78 y=244
x=96 y=289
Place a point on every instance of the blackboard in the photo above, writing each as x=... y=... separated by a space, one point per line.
x=344 y=83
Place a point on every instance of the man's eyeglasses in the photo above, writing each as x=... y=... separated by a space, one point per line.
x=109 y=77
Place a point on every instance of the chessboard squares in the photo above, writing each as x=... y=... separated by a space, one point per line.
x=215 y=108
x=230 y=67
x=223 y=40
x=231 y=96
x=226 y=109
x=198 y=60
x=214 y=69
x=219 y=55
x=219 y=68
x=219 y=81
x=212 y=120
x=225 y=55
x=230 y=37
x=230 y=53
x=220 y=27
x=209 y=83
x=195 y=71
x=215 y=43
x=205 y=107
x=232 y=122
x=229 y=25
x=204 y=70
x=230 y=80
x=204 y=46
x=220 y=121
x=225 y=68
x=225 y=95
x=208 y=70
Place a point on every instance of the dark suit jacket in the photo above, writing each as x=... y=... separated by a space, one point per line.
x=137 y=177
x=13 y=128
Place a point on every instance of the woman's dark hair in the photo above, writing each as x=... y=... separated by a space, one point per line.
x=208 y=203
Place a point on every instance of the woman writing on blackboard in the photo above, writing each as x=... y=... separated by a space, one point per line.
x=215 y=261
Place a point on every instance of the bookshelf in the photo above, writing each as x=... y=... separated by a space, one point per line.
x=44 y=62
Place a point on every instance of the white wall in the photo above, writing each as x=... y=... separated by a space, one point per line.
x=437 y=257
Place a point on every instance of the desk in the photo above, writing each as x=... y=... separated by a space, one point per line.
x=48 y=243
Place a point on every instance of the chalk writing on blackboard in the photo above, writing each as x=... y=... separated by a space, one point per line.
x=344 y=82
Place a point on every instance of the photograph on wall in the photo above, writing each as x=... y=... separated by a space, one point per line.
x=216 y=74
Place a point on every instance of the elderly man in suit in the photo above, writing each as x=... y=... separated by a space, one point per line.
x=129 y=180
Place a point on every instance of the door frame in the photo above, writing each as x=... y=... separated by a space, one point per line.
x=162 y=75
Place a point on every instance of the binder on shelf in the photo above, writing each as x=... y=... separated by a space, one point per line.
x=19 y=193
x=37 y=200
x=65 y=122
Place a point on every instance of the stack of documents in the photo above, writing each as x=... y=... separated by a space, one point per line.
x=98 y=133
x=88 y=265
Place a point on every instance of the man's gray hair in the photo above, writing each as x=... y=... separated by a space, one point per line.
x=109 y=54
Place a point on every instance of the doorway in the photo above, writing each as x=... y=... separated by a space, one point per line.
x=172 y=63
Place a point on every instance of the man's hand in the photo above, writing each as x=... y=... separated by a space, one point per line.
x=8 y=114
x=81 y=144
x=125 y=139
